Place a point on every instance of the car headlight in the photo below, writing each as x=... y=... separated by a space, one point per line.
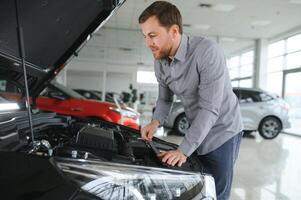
x=125 y=113
x=115 y=181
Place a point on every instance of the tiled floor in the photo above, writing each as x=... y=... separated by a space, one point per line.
x=266 y=169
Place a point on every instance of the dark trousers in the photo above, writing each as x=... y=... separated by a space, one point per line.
x=220 y=163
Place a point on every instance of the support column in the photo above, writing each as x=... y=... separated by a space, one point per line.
x=104 y=85
x=260 y=63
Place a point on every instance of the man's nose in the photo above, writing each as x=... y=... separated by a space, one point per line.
x=148 y=42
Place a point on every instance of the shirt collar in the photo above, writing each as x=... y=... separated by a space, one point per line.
x=181 y=51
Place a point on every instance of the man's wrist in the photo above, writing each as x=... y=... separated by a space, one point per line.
x=156 y=122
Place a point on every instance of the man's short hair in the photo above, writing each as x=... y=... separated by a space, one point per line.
x=167 y=14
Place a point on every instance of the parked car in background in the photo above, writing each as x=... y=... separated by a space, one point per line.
x=62 y=100
x=97 y=95
x=261 y=111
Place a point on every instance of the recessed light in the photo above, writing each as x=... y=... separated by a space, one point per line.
x=223 y=7
x=125 y=49
x=228 y=39
x=294 y=1
x=260 y=23
x=205 y=5
x=186 y=25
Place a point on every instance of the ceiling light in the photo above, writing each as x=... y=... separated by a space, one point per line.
x=186 y=25
x=294 y=1
x=223 y=7
x=205 y=5
x=228 y=39
x=260 y=23
x=125 y=49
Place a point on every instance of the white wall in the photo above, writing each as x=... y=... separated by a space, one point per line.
x=84 y=80
x=119 y=82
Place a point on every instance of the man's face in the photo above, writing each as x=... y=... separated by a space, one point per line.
x=157 y=38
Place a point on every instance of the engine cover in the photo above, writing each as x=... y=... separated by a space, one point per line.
x=96 y=138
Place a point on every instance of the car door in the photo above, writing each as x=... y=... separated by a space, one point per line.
x=252 y=108
x=54 y=101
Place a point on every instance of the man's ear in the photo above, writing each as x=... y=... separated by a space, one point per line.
x=175 y=30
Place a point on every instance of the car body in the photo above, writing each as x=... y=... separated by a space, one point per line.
x=262 y=111
x=47 y=156
x=97 y=95
x=62 y=100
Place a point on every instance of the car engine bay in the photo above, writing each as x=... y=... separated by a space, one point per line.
x=61 y=136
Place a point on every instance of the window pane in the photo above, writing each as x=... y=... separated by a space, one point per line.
x=275 y=64
x=246 y=70
x=274 y=83
x=234 y=62
x=294 y=43
x=293 y=60
x=247 y=83
x=276 y=49
x=247 y=58
x=146 y=77
x=234 y=72
x=234 y=83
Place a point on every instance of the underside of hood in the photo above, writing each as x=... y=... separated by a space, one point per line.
x=53 y=32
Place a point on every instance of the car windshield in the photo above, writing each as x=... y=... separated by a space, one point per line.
x=68 y=91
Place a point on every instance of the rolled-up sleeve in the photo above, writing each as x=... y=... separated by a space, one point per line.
x=212 y=72
x=164 y=100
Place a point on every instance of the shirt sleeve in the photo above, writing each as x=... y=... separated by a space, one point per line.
x=212 y=71
x=165 y=98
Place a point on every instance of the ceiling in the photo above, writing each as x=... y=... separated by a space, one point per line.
x=235 y=24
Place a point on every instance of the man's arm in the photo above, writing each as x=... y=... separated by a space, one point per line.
x=212 y=70
x=163 y=105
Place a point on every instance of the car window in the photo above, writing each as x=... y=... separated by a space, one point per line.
x=10 y=95
x=265 y=97
x=67 y=91
x=49 y=92
x=249 y=96
x=10 y=91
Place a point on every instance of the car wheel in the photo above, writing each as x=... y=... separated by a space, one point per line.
x=181 y=124
x=269 y=127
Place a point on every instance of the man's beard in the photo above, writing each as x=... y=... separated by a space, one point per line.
x=163 y=54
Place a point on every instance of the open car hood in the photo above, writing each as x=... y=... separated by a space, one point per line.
x=53 y=31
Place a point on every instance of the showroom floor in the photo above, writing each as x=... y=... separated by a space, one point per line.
x=266 y=169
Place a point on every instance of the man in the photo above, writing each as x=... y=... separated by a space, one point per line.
x=195 y=70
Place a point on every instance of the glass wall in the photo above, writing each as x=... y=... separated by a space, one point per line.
x=284 y=64
x=241 y=69
x=283 y=55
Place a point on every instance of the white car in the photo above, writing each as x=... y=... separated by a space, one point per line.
x=260 y=111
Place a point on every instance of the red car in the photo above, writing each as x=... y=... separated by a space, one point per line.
x=57 y=98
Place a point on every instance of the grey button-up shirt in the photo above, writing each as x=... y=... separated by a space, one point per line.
x=198 y=75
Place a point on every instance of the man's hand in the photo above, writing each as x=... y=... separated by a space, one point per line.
x=174 y=157
x=148 y=131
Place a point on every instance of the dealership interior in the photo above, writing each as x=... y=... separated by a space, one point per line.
x=261 y=41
